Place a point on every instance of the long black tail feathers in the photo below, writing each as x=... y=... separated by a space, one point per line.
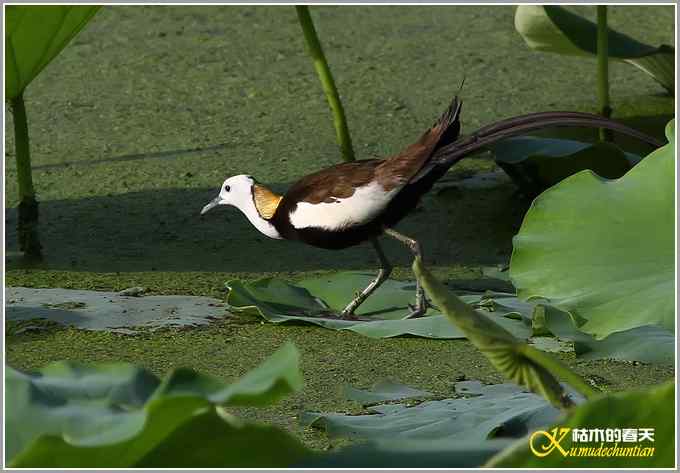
x=449 y=154
x=515 y=126
x=450 y=123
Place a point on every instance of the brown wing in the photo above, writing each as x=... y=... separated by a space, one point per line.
x=340 y=181
x=334 y=182
x=399 y=169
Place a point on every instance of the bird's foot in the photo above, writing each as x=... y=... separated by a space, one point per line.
x=330 y=314
x=415 y=312
x=418 y=309
x=334 y=316
x=349 y=315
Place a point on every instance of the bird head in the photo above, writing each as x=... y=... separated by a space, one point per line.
x=236 y=191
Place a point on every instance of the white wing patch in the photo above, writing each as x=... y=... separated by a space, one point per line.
x=361 y=207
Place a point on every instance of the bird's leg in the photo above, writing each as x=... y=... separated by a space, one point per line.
x=421 y=302
x=383 y=274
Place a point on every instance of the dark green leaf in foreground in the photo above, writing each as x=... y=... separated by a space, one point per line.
x=119 y=415
x=275 y=378
x=514 y=359
x=604 y=250
x=207 y=440
x=536 y=164
x=311 y=300
x=653 y=408
x=555 y=29
x=34 y=35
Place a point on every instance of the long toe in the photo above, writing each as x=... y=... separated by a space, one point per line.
x=326 y=314
x=429 y=304
x=348 y=315
x=418 y=310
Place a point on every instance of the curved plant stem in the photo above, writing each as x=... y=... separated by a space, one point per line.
x=327 y=82
x=27 y=222
x=559 y=370
x=603 y=68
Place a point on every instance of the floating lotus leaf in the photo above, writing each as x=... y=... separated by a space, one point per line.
x=648 y=344
x=384 y=391
x=111 y=311
x=486 y=411
x=411 y=453
x=312 y=300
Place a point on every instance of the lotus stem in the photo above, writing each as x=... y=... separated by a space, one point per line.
x=603 y=68
x=27 y=222
x=559 y=370
x=327 y=82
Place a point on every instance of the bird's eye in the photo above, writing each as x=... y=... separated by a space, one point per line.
x=227 y=188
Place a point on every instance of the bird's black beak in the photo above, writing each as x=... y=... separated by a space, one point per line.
x=213 y=203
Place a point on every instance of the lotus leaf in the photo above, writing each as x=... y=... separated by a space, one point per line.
x=119 y=415
x=110 y=311
x=311 y=300
x=604 y=250
x=536 y=164
x=411 y=453
x=485 y=411
x=555 y=29
x=34 y=35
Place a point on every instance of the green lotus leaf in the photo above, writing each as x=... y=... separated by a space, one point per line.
x=411 y=453
x=275 y=378
x=384 y=391
x=536 y=164
x=110 y=311
x=176 y=438
x=119 y=415
x=648 y=344
x=34 y=35
x=653 y=408
x=486 y=411
x=513 y=358
x=210 y=442
x=312 y=300
x=555 y=29
x=603 y=250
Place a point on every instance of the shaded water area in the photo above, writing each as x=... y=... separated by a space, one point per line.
x=136 y=124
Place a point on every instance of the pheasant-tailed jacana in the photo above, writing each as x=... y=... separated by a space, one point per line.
x=350 y=203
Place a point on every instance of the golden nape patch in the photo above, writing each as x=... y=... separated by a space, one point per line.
x=266 y=202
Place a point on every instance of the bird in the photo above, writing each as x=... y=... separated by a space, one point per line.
x=350 y=203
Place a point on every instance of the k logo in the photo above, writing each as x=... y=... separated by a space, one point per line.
x=541 y=448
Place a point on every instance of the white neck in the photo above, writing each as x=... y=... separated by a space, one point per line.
x=247 y=206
